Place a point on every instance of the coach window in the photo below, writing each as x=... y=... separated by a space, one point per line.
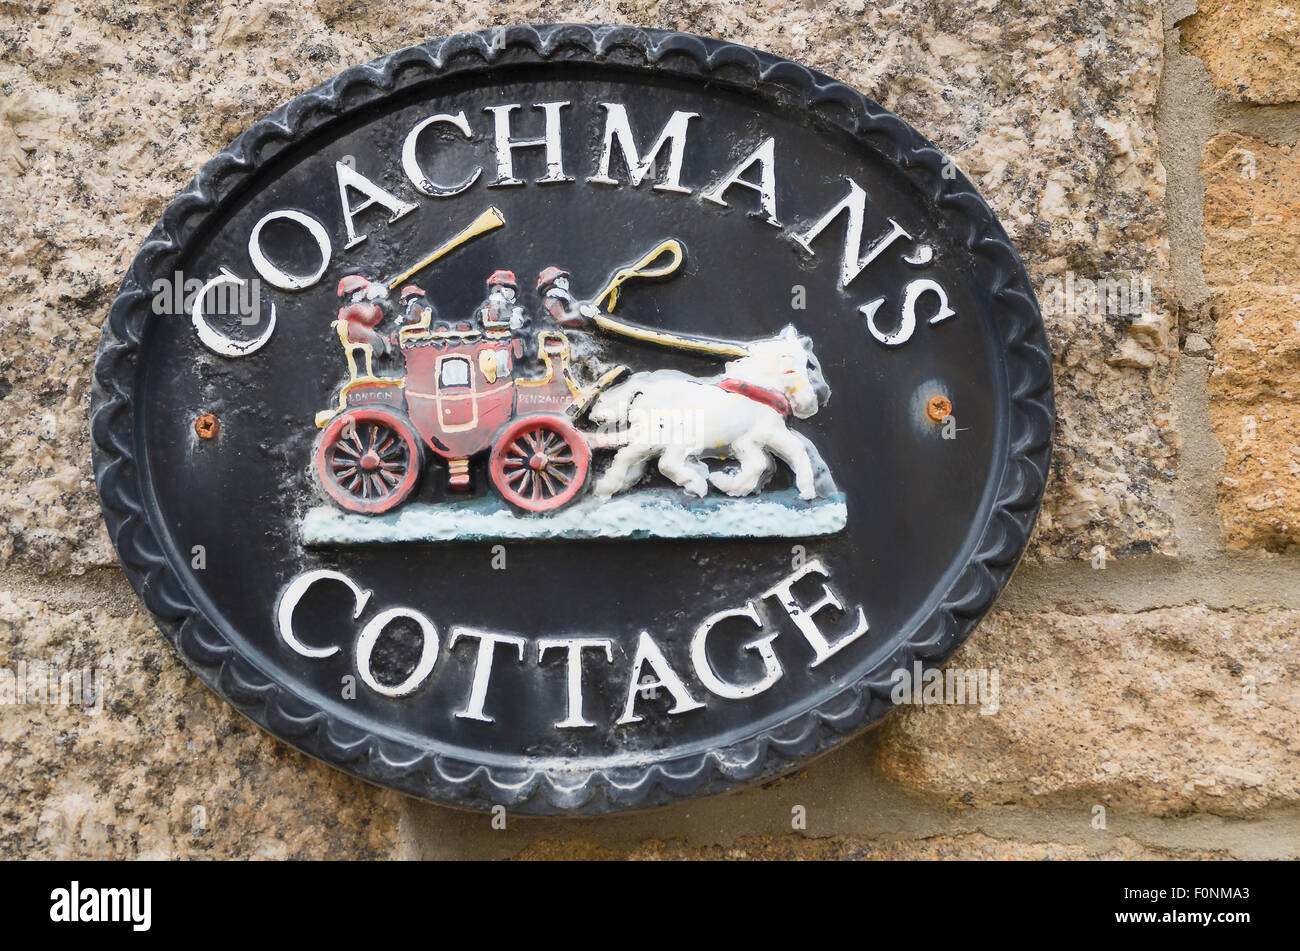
x=454 y=372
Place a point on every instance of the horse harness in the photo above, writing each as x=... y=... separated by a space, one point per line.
x=759 y=394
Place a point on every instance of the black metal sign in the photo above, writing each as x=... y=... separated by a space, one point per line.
x=571 y=418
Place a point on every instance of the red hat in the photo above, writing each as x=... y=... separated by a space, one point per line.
x=351 y=283
x=550 y=276
x=501 y=279
x=410 y=290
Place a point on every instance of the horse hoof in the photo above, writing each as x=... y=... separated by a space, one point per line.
x=723 y=482
x=736 y=491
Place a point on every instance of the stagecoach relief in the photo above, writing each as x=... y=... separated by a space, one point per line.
x=569 y=439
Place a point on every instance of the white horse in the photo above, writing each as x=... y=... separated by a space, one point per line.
x=740 y=414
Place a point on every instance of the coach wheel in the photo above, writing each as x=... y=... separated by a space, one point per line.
x=368 y=460
x=539 y=463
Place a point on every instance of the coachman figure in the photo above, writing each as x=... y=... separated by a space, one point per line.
x=574 y=318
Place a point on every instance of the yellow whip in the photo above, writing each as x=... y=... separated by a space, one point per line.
x=487 y=221
x=646 y=267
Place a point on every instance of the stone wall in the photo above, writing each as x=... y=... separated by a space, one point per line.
x=1148 y=647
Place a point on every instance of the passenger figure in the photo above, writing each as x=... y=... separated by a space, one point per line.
x=499 y=315
x=360 y=313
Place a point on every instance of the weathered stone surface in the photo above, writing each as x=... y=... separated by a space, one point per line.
x=1252 y=267
x=165 y=769
x=1162 y=712
x=108 y=109
x=969 y=846
x=1250 y=47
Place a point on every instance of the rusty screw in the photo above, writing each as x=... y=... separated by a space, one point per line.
x=938 y=409
x=206 y=426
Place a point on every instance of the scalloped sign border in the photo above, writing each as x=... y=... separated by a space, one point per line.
x=428 y=774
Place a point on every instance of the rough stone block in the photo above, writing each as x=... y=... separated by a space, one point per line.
x=1162 y=712
x=1252 y=266
x=163 y=768
x=1250 y=47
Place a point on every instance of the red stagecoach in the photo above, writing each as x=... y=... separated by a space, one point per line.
x=459 y=396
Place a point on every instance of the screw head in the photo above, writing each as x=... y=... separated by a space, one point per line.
x=938 y=408
x=206 y=426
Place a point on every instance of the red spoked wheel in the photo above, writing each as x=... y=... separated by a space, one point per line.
x=539 y=463
x=368 y=460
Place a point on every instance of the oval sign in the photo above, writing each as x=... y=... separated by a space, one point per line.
x=572 y=418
